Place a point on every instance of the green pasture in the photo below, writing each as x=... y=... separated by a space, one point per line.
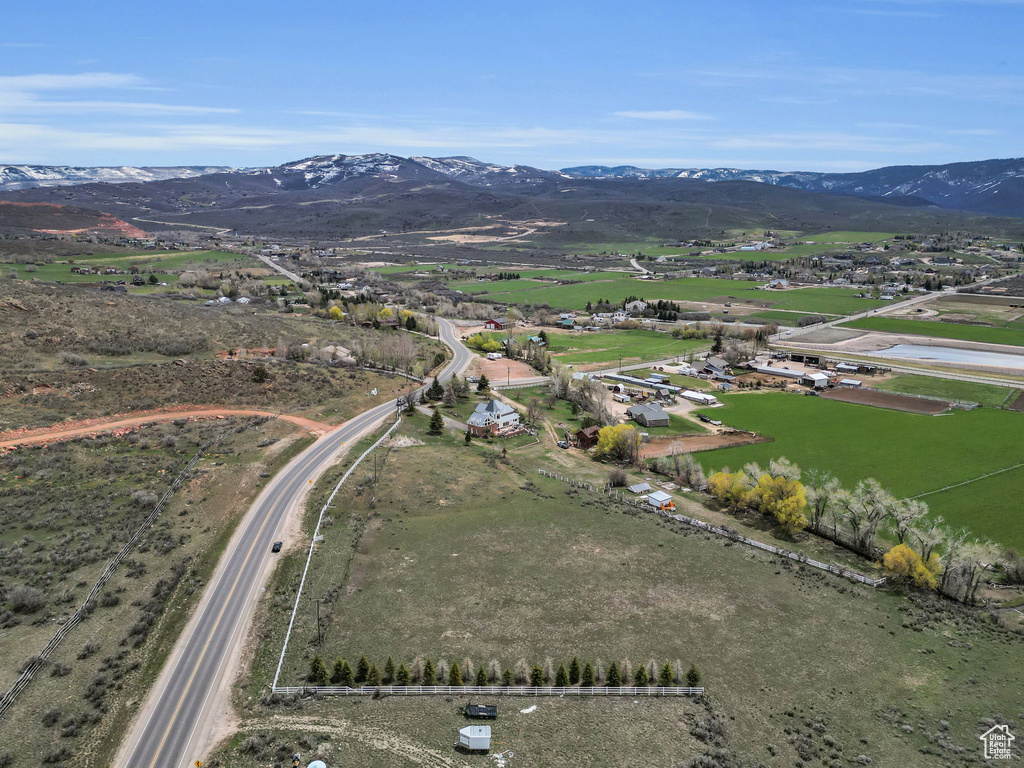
x=985 y=394
x=633 y=346
x=908 y=453
x=1013 y=336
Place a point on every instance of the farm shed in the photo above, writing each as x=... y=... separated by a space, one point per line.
x=816 y=380
x=773 y=371
x=701 y=398
x=648 y=414
x=846 y=368
x=639 y=488
x=497 y=324
x=475 y=737
x=660 y=500
x=850 y=382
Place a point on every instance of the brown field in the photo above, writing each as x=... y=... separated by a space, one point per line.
x=887 y=400
x=694 y=443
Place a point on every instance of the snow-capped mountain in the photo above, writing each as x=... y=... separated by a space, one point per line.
x=473 y=171
x=986 y=186
x=29 y=176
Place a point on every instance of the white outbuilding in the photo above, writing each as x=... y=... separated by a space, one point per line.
x=701 y=398
x=475 y=737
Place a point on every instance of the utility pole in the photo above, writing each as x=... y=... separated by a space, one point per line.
x=508 y=376
x=319 y=635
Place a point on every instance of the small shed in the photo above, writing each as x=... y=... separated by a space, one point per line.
x=660 y=500
x=640 y=488
x=816 y=380
x=850 y=382
x=476 y=738
x=846 y=368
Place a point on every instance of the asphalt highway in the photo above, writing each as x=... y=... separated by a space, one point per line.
x=180 y=702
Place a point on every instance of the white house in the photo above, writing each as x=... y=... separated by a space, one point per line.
x=492 y=417
x=636 y=307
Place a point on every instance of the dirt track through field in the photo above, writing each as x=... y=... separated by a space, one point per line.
x=127 y=422
x=887 y=400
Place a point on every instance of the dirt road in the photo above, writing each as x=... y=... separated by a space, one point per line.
x=73 y=429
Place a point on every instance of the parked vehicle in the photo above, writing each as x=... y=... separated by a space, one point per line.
x=277 y=546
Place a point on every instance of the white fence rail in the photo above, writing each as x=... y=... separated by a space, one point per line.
x=488 y=690
x=730 y=534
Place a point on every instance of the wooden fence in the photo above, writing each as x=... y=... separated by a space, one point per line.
x=728 y=533
x=488 y=690
x=39 y=661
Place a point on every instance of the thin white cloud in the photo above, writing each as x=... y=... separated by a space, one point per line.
x=662 y=114
x=66 y=82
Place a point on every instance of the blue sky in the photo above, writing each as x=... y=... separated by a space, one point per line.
x=832 y=86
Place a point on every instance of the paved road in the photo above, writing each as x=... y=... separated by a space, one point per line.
x=181 y=701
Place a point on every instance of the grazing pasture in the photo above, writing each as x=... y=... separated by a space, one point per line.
x=908 y=453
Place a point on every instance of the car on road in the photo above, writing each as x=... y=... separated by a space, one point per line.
x=277 y=546
x=789 y=333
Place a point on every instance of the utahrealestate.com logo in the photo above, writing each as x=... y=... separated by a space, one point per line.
x=998 y=741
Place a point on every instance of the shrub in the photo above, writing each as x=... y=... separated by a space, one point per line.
x=26 y=599
x=617 y=478
x=70 y=358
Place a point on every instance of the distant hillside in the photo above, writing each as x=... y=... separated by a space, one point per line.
x=28 y=176
x=344 y=196
x=986 y=186
x=50 y=218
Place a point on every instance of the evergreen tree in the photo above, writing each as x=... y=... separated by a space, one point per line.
x=389 y=670
x=436 y=423
x=536 y=676
x=507 y=678
x=402 y=676
x=342 y=673
x=614 y=677
x=373 y=676
x=455 y=674
x=429 y=674
x=693 y=677
x=362 y=670
x=666 y=676
x=410 y=323
x=587 y=678
x=481 y=676
x=317 y=671
x=561 y=677
x=435 y=391
x=574 y=671
x=641 y=678
x=483 y=385
x=469 y=437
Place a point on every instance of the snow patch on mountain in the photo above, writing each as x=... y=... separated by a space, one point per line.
x=14 y=177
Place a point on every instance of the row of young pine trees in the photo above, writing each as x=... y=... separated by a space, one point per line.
x=584 y=675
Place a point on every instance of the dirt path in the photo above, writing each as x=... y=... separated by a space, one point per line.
x=383 y=739
x=72 y=429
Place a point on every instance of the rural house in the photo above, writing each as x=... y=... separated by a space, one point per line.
x=587 y=438
x=492 y=417
x=636 y=307
x=715 y=364
x=648 y=414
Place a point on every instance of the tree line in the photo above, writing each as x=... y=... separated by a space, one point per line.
x=424 y=671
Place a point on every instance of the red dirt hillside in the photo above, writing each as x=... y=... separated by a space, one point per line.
x=61 y=219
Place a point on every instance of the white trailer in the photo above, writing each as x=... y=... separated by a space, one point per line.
x=476 y=738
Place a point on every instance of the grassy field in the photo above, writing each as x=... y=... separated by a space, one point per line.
x=908 y=453
x=1012 y=336
x=164 y=264
x=605 y=347
x=65 y=510
x=985 y=394
x=457 y=555
x=693 y=290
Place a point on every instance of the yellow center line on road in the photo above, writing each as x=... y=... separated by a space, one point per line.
x=212 y=634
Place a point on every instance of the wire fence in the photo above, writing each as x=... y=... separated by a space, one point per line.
x=724 y=531
x=488 y=690
x=38 y=661
x=313 y=541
